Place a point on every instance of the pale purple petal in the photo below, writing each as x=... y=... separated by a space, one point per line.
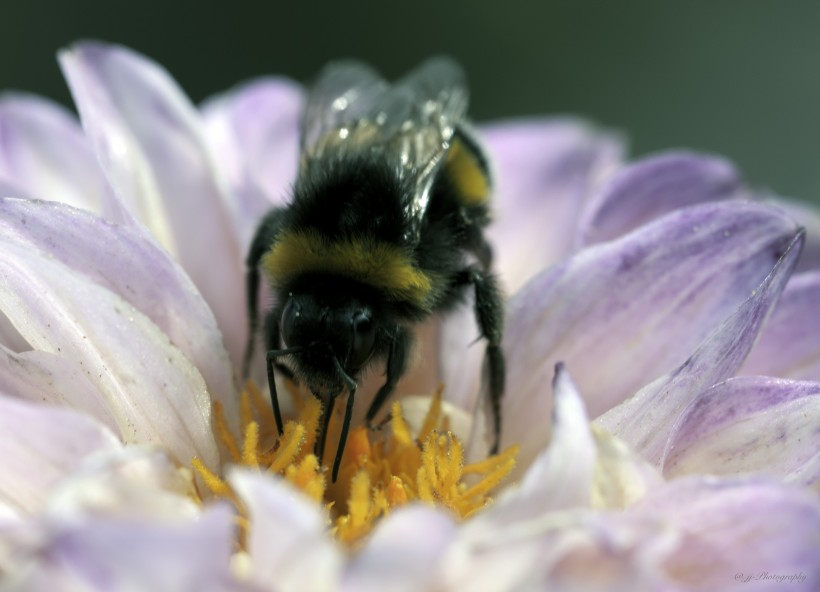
x=544 y=171
x=559 y=477
x=644 y=421
x=122 y=555
x=149 y=141
x=155 y=394
x=40 y=446
x=404 y=553
x=254 y=131
x=731 y=529
x=749 y=424
x=44 y=152
x=653 y=187
x=807 y=215
x=288 y=545
x=127 y=262
x=789 y=346
x=622 y=313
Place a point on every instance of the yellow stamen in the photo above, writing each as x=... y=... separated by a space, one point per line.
x=380 y=470
x=223 y=432
x=251 y=444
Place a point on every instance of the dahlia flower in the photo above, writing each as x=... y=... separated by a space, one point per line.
x=660 y=422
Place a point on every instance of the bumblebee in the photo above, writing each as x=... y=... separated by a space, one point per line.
x=384 y=228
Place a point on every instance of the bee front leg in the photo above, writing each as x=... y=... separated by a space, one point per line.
x=261 y=244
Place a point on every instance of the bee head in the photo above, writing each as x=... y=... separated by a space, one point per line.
x=329 y=328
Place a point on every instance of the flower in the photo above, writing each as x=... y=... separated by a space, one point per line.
x=648 y=282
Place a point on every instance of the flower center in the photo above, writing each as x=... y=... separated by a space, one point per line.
x=380 y=470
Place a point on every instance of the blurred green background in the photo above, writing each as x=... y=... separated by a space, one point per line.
x=737 y=77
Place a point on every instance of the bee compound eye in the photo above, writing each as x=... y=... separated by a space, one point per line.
x=290 y=317
x=364 y=338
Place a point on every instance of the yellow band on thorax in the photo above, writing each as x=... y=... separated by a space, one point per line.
x=382 y=265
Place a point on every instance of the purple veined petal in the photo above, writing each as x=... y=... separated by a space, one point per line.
x=644 y=421
x=789 y=346
x=40 y=446
x=749 y=424
x=653 y=187
x=289 y=546
x=622 y=313
x=121 y=555
x=254 y=133
x=155 y=394
x=734 y=531
x=808 y=216
x=544 y=171
x=43 y=150
x=569 y=460
x=129 y=263
x=42 y=377
x=404 y=553
x=149 y=141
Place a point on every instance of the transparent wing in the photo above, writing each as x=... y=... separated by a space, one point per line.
x=411 y=122
x=343 y=93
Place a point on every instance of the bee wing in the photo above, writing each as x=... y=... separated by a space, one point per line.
x=343 y=93
x=351 y=108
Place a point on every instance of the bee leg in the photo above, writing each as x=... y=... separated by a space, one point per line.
x=489 y=310
x=396 y=365
x=262 y=241
x=351 y=395
x=327 y=412
x=274 y=397
x=273 y=341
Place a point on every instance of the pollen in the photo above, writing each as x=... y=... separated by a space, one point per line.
x=380 y=471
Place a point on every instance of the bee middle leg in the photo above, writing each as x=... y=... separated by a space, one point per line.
x=273 y=352
x=396 y=365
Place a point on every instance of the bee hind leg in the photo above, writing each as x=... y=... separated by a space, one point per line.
x=489 y=312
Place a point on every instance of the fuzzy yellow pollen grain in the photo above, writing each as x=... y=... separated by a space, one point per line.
x=380 y=471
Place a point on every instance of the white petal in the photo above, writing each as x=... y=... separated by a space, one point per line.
x=559 y=477
x=289 y=546
x=148 y=139
x=128 y=262
x=38 y=376
x=150 y=387
x=403 y=553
